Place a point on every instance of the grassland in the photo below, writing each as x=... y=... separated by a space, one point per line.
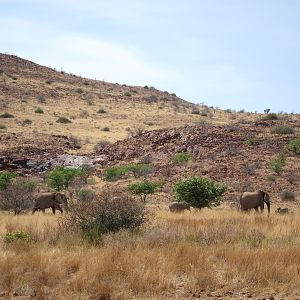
x=206 y=255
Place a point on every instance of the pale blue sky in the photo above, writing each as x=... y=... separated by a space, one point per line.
x=238 y=54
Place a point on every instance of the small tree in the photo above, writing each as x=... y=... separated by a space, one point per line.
x=182 y=157
x=144 y=188
x=60 y=178
x=5 y=179
x=18 y=195
x=199 y=192
x=278 y=163
x=294 y=146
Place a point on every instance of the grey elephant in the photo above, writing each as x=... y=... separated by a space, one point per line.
x=282 y=211
x=50 y=200
x=249 y=200
x=177 y=207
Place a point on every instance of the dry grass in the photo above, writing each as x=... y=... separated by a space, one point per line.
x=214 y=252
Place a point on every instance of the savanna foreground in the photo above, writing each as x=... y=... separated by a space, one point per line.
x=200 y=254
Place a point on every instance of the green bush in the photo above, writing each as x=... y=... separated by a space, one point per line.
x=138 y=169
x=60 y=178
x=115 y=173
x=144 y=188
x=39 y=111
x=6 y=115
x=271 y=116
x=105 y=129
x=6 y=178
x=294 y=146
x=199 y=192
x=101 y=111
x=127 y=94
x=251 y=141
x=79 y=90
x=110 y=211
x=278 y=163
x=63 y=120
x=287 y=196
x=10 y=237
x=27 y=122
x=86 y=195
x=182 y=157
x=2 y=126
x=282 y=129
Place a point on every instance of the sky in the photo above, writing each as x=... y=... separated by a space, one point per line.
x=231 y=54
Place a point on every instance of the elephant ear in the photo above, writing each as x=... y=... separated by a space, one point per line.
x=58 y=197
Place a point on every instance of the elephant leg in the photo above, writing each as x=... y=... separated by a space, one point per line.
x=34 y=210
x=53 y=209
x=262 y=207
x=256 y=208
x=59 y=208
x=43 y=210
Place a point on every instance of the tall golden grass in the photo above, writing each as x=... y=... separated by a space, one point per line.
x=213 y=251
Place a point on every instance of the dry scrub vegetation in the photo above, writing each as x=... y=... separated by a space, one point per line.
x=199 y=254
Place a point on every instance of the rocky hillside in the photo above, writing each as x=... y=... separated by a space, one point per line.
x=112 y=124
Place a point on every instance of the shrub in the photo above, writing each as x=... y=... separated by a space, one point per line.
x=110 y=211
x=86 y=195
x=39 y=111
x=144 y=188
x=136 y=131
x=271 y=116
x=271 y=178
x=60 y=178
x=294 y=146
x=282 y=129
x=182 y=157
x=199 y=192
x=2 y=126
x=6 y=115
x=63 y=120
x=146 y=87
x=114 y=173
x=18 y=195
x=138 y=169
x=251 y=141
x=287 y=196
x=127 y=94
x=27 y=122
x=79 y=90
x=75 y=142
x=195 y=111
x=278 y=163
x=101 y=111
x=41 y=99
x=48 y=81
x=6 y=178
x=102 y=145
x=105 y=129
x=10 y=237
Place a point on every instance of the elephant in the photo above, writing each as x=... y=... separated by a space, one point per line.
x=50 y=200
x=177 y=207
x=282 y=211
x=249 y=200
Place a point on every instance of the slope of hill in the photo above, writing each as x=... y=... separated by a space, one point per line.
x=37 y=96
